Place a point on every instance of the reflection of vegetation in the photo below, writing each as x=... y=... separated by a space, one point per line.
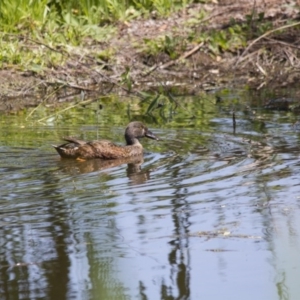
x=163 y=110
x=167 y=109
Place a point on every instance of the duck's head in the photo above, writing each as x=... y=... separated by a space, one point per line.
x=137 y=130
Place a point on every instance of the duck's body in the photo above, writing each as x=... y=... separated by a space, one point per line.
x=78 y=149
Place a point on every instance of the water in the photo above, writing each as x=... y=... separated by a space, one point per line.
x=210 y=213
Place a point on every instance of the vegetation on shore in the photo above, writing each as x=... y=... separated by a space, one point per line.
x=150 y=49
x=53 y=29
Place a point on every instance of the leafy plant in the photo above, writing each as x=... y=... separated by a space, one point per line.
x=16 y=15
x=164 y=44
x=126 y=79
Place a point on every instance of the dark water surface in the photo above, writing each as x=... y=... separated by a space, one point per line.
x=209 y=214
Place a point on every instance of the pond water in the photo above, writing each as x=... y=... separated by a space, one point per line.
x=212 y=212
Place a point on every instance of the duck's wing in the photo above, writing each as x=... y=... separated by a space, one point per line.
x=74 y=140
x=71 y=149
x=106 y=149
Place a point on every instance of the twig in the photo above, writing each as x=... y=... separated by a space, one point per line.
x=263 y=36
x=260 y=68
x=250 y=55
x=65 y=109
x=173 y=62
x=48 y=96
x=282 y=43
x=233 y=121
x=36 y=42
x=184 y=56
x=66 y=84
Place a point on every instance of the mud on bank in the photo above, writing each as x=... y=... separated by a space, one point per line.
x=182 y=53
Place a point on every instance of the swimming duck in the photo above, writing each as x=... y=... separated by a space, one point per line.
x=82 y=150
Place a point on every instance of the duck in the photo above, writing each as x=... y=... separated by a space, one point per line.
x=105 y=149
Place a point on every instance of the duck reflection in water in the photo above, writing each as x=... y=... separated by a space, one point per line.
x=134 y=171
x=109 y=154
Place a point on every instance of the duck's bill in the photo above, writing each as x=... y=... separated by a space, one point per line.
x=150 y=135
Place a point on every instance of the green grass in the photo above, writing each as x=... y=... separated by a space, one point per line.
x=16 y=15
x=37 y=34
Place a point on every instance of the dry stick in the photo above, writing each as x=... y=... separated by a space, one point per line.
x=263 y=36
x=233 y=121
x=211 y=17
x=290 y=57
x=70 y=85
x=48 y=96
x=184 y=56
x=63 y=52
x=36 y=42
x=250 y=55
x=282 y=43
x=173 y=62
x=65 y=109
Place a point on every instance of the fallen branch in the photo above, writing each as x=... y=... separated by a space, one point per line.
x=173 y=62
x=67 y=108
x=184 y=56
x=263 y=36
x=70 y=85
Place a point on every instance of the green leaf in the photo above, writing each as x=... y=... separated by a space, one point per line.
x=153 y=104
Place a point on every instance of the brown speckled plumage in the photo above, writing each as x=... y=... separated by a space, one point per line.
x=78 y=149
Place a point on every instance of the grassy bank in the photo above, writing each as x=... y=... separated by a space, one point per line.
x=53 y=50
x=30 y=14
x=39 y=34
x=31 y=30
